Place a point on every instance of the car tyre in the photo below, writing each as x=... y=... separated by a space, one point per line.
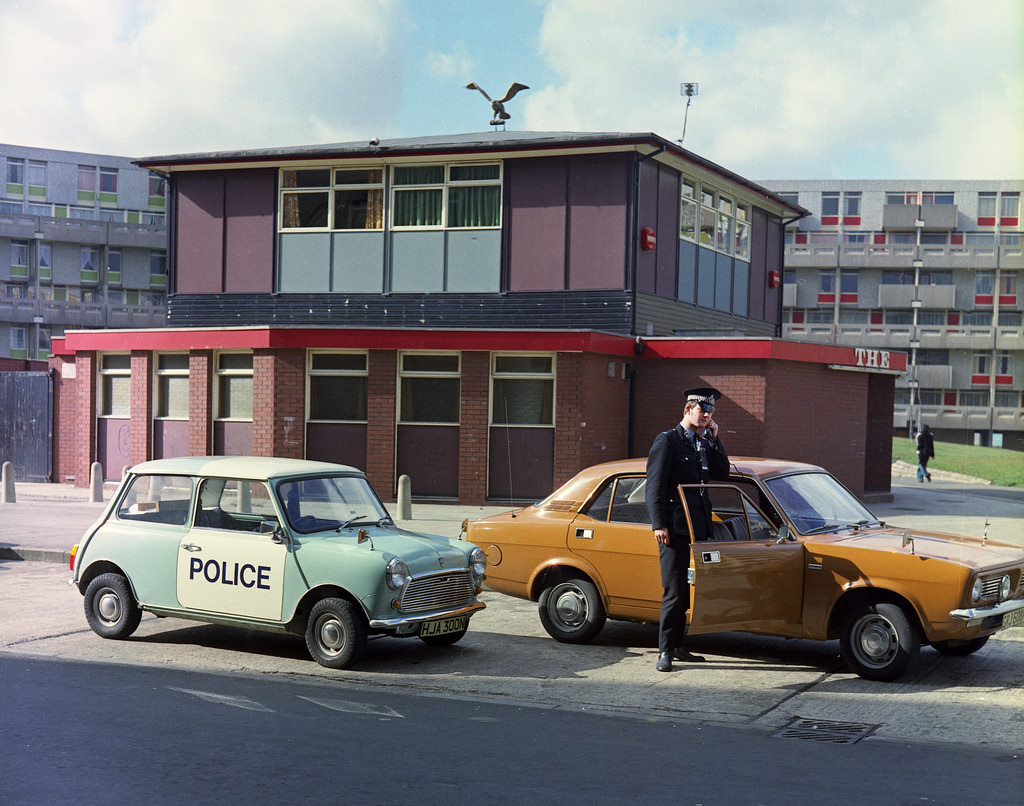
x=961 y=648
x=572 y=611
x=878 y=641
x=444 y=640
x=110 y=607
x=335 y=633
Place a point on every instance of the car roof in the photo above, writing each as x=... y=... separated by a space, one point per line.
x=244 y=467
x=580 y=485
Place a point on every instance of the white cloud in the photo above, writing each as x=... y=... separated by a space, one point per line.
x=908 y=89
x=452 y=66
x=198 y=74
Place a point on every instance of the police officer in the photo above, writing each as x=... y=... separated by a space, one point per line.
x=687 y=454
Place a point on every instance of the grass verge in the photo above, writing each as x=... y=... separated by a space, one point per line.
x=998 y=465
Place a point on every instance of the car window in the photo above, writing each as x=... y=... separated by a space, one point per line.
x=157 y=499
x=239 y=505
x=621 y=500
x=328 y=502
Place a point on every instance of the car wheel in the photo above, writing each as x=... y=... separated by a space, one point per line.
x=878 y=641
x=110 y=607
x=444 y=640
x=960 y=648
x=571 y=611
x=335 y=633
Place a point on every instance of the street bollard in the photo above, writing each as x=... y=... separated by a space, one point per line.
x=96 y=483
x=404 y=498
x=7 y=495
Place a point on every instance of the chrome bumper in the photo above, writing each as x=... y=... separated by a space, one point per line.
x=1001 y=609
x=419 y=618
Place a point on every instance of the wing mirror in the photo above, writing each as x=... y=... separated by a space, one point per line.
x=782 y=535
x=273 y=528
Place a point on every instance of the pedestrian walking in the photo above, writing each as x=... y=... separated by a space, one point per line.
x=925 y=451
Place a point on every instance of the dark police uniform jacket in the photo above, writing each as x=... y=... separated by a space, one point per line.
x=673 y=461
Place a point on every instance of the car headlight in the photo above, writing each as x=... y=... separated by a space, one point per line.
x=477 y=563
x=1004 y=588
x=397 y=573
x=977 y=589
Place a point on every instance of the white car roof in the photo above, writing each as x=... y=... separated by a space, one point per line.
x=243 y=467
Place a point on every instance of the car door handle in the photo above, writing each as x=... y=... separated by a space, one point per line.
x=584 y=534
x=191 y=547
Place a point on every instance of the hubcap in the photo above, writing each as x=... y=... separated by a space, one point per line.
x=108 y=605
x=876 y=641
x=571 y=607
x=332 y=634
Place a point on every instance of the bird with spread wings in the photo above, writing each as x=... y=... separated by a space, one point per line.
x=500 y=115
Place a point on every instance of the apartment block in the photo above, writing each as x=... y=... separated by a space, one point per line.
x=83 y=245
x=932 y=268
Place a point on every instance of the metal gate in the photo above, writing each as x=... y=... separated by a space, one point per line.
x=26 y=424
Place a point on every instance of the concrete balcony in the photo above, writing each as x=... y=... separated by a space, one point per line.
x=936 y=217
x=938 y=297
x=826 y=253
x=974 y=418
x=898 y=337
x=930 y=376
x=83 y=231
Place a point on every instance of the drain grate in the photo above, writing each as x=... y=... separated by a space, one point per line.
x=822 y=730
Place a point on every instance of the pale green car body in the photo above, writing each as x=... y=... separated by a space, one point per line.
x=259 y=543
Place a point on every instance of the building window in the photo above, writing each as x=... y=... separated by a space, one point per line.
x=933 y=357
x=929 y=397
x=429 y=388
x=19 y=258
x=1008 y=399
x=848 y=283
x=337 y=387
x=359 y=199
x=522 y=390
x=932 y=197
x=688 y=211
x=172 y=386
x=19 y=342
x=15 y=176
x=984 y=283
x=36 y=178
x=304 y=198
x=157 y=188
x=108 y=180
x=474 y=196
x=899 y=317
x=974 y=398
x=983 y=364
x=234 y=386
x=900 y=197
x=158 y=267
x=829 y=206
x=114 y=266
x=715 y=221
x=115 y=385
x=827 y=281
x=464 y=196
x=90 y=263
x=934 y=318
x=851 y=209
x=1011 y=319
x=1009 y=209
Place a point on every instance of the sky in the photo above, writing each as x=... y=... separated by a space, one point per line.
x=787 y=89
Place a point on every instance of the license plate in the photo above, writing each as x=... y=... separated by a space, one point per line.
x=1014 y=619
x=443 y=627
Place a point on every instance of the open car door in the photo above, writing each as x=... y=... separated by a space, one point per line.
x=744 y=577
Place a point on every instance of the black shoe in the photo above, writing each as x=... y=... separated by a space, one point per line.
x=664 y=662
x=687 y=657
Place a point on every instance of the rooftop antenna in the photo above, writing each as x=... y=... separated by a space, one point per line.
x=500 y=115
x=689 y=89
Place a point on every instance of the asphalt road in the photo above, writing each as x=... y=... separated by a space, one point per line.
x=77 y=732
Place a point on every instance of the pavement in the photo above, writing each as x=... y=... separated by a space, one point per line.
x=756 y=683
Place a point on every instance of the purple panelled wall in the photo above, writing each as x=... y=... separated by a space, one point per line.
x=249 y=205
x=668 y=231
x=207 y=249
x=341 y=443
x=555 y=202
x=170 y=438
x=429 y=456
x=536 y=224
x=647 y=216
x=764 y=257
x=232 y=438
x=598 y=190
x=199 y=241
x=112 y=446
x=531 y=464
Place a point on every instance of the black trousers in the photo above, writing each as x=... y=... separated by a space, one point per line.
x=674 y=560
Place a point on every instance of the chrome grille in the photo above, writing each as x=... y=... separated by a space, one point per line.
x=990 y=587
x=437 y=591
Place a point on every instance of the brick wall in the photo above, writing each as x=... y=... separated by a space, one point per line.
x=473 y=418
x=279 y=403
x=200 y=402
x=380 y=426
x=140 y=440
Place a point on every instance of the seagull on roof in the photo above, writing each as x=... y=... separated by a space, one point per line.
x=499 y=106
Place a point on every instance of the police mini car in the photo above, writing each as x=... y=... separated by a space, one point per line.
x=273 y=544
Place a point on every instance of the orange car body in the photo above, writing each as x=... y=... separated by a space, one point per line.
x=775 y=577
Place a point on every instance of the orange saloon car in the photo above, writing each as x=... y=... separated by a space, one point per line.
x=794 y=554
